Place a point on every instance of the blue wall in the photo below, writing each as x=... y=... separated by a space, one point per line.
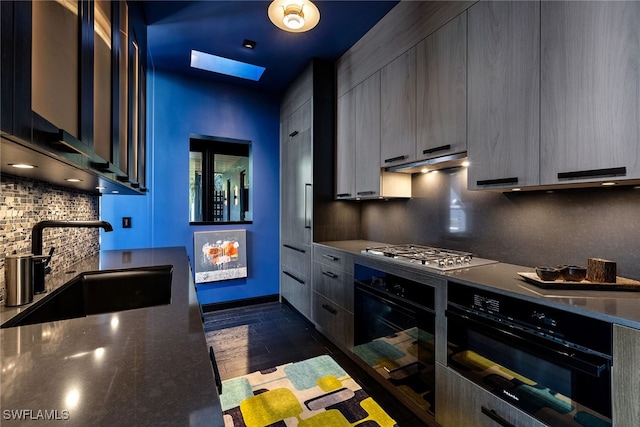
x=177 y=107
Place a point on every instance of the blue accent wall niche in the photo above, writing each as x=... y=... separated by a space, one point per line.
x=178 y=107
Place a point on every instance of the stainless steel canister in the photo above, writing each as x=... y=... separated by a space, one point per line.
x=18 y=279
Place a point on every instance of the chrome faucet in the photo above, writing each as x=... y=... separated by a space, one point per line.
x=36 y=245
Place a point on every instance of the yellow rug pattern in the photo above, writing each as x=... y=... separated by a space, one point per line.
x=315 y=392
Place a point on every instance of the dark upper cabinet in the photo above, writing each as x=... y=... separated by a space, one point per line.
x=73 y=87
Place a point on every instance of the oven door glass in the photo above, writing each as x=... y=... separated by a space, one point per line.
x=555 y=384
x=396 y=339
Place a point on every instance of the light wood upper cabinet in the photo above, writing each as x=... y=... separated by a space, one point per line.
x=398 y=107
x=590 y=91
x=503 y=94
x=442 y=91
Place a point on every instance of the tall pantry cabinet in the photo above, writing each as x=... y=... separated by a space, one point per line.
x=308 y=212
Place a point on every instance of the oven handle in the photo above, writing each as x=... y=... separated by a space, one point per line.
x=387 y=301
x=530 y=342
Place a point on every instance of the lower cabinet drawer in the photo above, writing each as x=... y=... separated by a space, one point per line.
x=334 y=321
x=334 y=284
x=462 y=403
x=295 y=259
x=296 y=289
x=333 y=257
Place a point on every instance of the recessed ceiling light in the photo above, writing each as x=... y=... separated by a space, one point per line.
x=230 y=67
x=465 y=164
x=608 y=183
x=73 y=180
x=516 y=189
x=22 y=165
x=424 y=170
x=249 y=44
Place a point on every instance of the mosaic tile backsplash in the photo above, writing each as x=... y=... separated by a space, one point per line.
x=24 y=202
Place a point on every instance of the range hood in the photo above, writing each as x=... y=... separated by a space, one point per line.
x=435 y=163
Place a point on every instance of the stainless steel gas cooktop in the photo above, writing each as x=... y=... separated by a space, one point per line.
x=427 y=256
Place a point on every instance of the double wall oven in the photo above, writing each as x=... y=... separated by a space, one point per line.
x=552 y=364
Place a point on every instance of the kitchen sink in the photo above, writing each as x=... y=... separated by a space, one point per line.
x=99 y=292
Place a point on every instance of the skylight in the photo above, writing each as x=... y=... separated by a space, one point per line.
x=230 y=67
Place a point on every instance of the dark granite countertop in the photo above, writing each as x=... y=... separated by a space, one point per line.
x=613 y=306
x=147 y=366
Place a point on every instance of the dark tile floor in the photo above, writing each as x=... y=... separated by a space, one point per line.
x=248 y=339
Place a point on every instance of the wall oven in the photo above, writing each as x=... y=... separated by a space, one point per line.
x=394 y=333
x=552 y=364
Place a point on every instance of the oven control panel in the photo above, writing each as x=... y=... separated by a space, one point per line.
x=386 y=283
x=535 y=318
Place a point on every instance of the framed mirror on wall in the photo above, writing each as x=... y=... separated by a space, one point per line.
x=219 y=180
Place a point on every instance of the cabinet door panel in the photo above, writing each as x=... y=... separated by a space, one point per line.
x=625 y=375
x=297 y=259
x=334 y=284
x=441 y=105
x=297 y=162
x=462 y=403
x=503 y=94
x=590 y=89
x=297 y=290
x=367 y=106
x=335 y=321
x=346 y=147
x=398 y=107
x=333 y=257
x=55 y=70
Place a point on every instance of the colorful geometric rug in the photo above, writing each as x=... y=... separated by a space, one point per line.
x=315 y=392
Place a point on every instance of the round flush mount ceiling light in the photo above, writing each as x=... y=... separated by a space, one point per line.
x=296 y=16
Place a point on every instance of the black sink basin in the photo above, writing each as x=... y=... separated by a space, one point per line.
x=101 y=292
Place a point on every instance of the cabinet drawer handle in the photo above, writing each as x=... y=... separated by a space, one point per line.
x=436 y=149
x=501 y=181
x=395 y=159
x=495 y=417
x=330 y=257
x=330 y=309
x=294 y=133
x=294 y=277
x=294 y=248
x=343 y=195
x=366 y=193
x=594 y=173
x=216 y=371
x=330 y=274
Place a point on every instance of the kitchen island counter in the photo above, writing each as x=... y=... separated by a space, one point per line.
x=619 y=307
x=139 y=367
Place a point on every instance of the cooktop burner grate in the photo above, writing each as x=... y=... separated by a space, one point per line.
x=433 y=257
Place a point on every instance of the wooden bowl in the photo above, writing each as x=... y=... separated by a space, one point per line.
x=548 y=274
x=574 y=273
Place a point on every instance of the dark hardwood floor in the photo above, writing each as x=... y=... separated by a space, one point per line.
x=251 y=338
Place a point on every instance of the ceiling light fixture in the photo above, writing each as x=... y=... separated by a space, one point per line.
x=249 y=44
x=21 y=165
x=296 y=16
